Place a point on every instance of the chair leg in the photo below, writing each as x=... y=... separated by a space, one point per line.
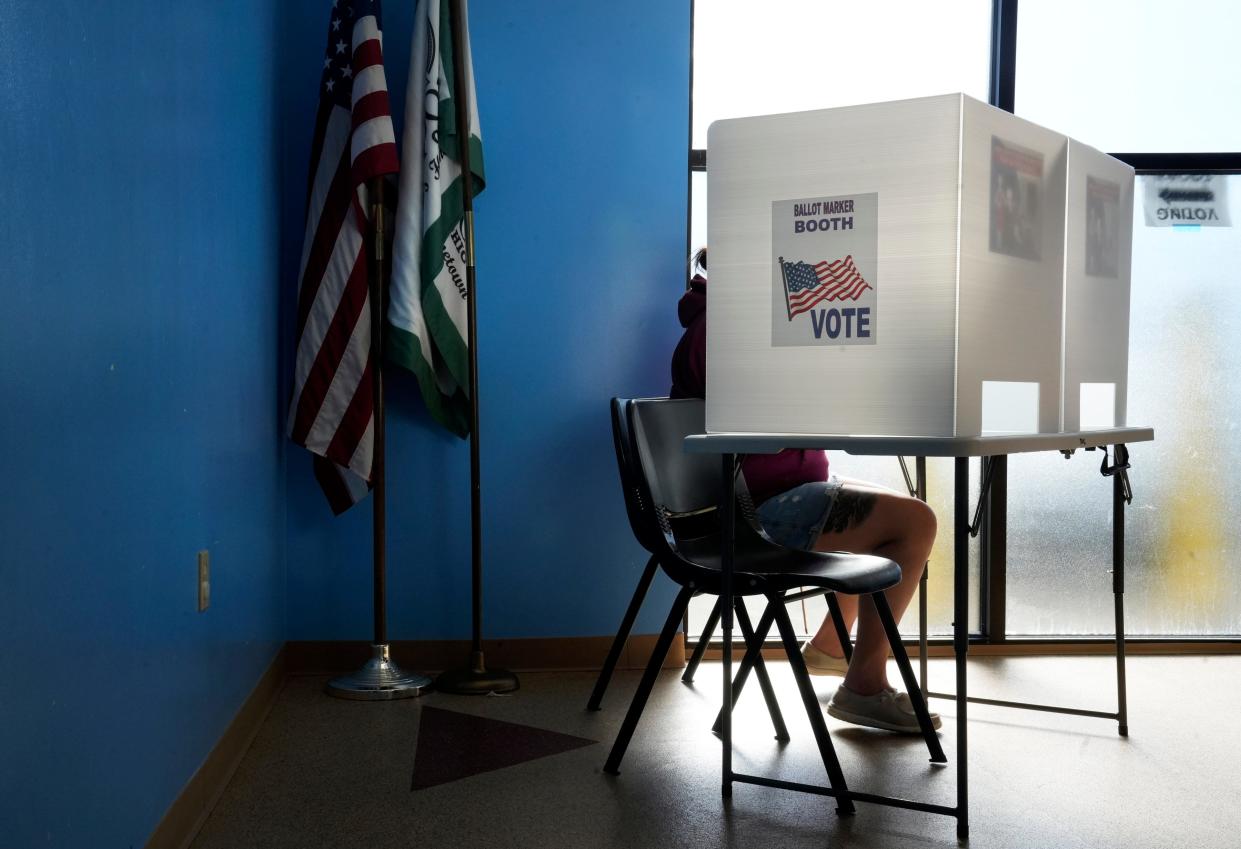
x=618 y=643
x=760 y=670
x=648 y=680
x=753 y=657
x=907 y=675
x=814 y=712
x=842 y=630
x=708 y=631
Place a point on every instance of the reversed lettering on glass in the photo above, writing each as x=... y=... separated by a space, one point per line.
x=1186 y=200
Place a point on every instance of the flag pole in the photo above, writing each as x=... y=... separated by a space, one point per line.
x=475 y=678
x=784 y=276
x=379 y=678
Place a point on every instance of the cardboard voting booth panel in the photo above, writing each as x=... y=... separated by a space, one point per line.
x=1098 y=248
x=891 y=268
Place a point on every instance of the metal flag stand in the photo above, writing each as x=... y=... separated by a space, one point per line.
x=379 y=678
x=476 y=678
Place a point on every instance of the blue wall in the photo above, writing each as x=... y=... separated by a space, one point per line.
x=581 y=242
x=152 y=172
x=140 y=420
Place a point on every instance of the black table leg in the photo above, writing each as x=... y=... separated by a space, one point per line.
x=920 y=493
x=960 y=630
x=1118 y=594
x=726 y=614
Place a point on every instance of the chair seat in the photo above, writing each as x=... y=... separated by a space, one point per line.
x=760 y=566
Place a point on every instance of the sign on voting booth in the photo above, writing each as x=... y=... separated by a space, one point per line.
x=1098 y=247
x=892 y=268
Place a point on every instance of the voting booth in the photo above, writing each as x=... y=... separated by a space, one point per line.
x=895 y=268
x=1098 y=248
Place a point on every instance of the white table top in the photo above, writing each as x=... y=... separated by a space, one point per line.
x=915 y=446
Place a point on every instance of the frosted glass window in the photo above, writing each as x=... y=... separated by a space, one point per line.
x=792 y=55
x=1184 y=527
x=886 y=471
x=1132 y=75
x=698 y=201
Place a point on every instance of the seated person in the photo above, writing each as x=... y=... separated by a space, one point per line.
x=802 y=506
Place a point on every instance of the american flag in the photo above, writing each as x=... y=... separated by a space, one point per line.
x=332 y=411
x=807 y=285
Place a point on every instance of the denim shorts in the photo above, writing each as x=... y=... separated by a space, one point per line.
x=795 y=517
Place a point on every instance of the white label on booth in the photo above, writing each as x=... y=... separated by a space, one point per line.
x=1009 y=407
x=825 y=270
x=1016 y=204
x=1102 y=228
x=1097 y=406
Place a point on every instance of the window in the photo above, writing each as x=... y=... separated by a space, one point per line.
x=1132 y=75
x=1124 y=77
x=791 y=55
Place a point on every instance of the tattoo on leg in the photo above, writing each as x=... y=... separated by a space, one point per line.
x=849 y=510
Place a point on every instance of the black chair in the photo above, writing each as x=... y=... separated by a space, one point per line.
x=672 y=491
x=642 y=532
x=620 y=441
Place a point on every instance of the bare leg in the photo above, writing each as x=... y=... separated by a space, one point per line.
x=826 y=639
x=868 y=519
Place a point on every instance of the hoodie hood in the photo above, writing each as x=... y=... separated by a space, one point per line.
x=694 y=302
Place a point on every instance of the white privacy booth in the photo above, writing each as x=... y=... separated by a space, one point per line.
x=1098 y=250
x=892 y=268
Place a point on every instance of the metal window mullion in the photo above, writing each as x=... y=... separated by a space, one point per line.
x=1182 y=163
x=1003 y=78
x=689 y=175
x=995 y=553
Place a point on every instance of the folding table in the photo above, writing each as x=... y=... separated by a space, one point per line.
x=991 y=449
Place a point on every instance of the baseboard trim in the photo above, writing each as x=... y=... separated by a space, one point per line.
x=327 y=657
x=188 y=812
x=1032 y=648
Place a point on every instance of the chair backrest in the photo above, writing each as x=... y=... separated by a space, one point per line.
x=645 y=527
x=676 y=493
x=676 y=482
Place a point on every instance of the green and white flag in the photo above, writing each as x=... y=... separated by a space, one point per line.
x=427 y=302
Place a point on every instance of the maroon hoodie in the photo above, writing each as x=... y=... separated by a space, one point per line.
x=765 y=474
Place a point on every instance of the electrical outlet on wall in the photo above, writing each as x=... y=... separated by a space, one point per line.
x=204 y=580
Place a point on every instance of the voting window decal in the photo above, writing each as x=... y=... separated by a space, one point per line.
x=825 y=271
x=1179 y=200
x=1016 y=208
x=1102 y=228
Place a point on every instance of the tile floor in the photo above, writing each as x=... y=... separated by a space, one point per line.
x=330 y=773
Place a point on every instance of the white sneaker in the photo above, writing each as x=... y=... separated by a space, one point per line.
x=887 y=709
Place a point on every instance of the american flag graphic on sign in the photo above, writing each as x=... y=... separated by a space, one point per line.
x=332 y=410
x=806 y=285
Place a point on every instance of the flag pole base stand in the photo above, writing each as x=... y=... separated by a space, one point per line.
x=379 y=680
x=477 y=679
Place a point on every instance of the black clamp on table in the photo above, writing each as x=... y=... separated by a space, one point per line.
x=1120 y=467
